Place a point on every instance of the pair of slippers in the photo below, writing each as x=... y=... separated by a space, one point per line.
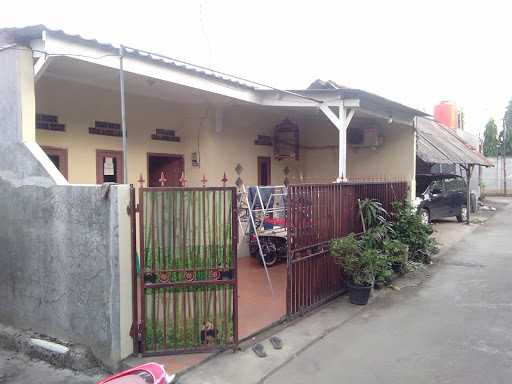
x=259 y=350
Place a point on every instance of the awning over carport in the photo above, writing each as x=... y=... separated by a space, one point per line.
x=438 y=144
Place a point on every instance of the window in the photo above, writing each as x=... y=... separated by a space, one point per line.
x=437 y=186
x=59 y=157
x=109 y=166
x=452 y=185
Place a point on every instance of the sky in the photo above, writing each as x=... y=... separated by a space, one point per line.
x=416 y=52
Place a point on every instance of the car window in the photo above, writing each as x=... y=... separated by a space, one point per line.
x=452 y=185
x=422 y=184
x=437 y=184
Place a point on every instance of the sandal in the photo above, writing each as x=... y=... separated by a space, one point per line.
x=259 y=350
x=276 y=342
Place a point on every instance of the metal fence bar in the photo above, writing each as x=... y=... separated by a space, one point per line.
x=316 y=214
x=188 y=240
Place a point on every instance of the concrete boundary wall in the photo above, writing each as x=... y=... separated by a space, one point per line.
x=64 y=249
x=493 y=179
x=66 y=264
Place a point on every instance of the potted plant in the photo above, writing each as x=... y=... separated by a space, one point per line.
x=360 y=264
x=397 y=253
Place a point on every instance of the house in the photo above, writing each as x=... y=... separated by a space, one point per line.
x=67 y=236
x=194 y=123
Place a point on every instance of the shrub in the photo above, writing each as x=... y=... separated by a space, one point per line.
x=372 y=213
x=397 y=252
x=408 y=228
x=361 y=263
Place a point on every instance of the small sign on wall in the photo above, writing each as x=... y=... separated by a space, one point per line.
x=108 y=166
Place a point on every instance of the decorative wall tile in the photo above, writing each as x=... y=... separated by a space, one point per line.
x=106 y=128
x=49 y=123
x=263 y=140
x=165 y=135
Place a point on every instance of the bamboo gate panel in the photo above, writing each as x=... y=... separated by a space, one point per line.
x=188 y=243
x=316 y=214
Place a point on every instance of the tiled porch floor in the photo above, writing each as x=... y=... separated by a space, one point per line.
x=256 y=309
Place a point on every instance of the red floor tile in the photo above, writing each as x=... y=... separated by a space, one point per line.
x=256 y=308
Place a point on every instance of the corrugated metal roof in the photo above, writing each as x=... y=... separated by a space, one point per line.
x=346 y=92
x=35 y=31
x=439 y=144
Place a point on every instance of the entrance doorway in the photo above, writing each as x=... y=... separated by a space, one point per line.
x=109 y=166
x=59 y=157
x=172 y=167
x=264 y=175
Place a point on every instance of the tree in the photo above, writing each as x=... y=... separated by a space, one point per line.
x=506 y=148
x=490 y=139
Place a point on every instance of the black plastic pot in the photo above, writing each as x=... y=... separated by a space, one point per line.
x=397 y=267
x=358 y=294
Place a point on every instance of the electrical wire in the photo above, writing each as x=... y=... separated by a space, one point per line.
x=205 y=34
x=194 y=66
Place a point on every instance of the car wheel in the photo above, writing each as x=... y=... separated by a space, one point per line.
x=425 y=216
x=463 y=216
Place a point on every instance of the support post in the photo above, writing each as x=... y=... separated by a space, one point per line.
x=123 y=116
x=469 y=171
x=341 y=122
x=342 y=147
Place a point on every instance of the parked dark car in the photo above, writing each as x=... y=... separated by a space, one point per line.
x=439 y=196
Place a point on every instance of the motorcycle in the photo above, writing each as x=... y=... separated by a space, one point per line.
x=150 y=373
x=273 y=240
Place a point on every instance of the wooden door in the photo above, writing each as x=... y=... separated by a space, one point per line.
x=264 y=174
x=171 y=166
x=109 y=166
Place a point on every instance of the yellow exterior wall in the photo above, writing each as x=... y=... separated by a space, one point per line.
x=27 y=95
x=79 y=105
x=395 y=159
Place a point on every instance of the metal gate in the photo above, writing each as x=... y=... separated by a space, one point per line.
x=316 y=214
x=188 y=281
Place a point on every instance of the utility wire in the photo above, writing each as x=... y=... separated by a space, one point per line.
x=128 y=49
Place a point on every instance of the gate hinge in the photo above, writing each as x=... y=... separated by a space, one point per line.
x=129 y=209
x=140 y=330
x=136 y=331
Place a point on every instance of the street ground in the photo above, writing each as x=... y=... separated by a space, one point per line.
x=446 y=324
x=453 y=328
x=17 y=368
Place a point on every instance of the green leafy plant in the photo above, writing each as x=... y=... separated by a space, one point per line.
x=397 y=253
x=372 y=213
x=375 y=236
x=361 y=262
x=384 y=277
x=408 y=228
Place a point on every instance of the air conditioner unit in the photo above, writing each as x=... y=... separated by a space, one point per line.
x=364 y=137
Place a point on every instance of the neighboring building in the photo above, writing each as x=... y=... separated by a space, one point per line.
x=447 y=114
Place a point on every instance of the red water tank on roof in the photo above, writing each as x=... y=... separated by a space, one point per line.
x=446 y=113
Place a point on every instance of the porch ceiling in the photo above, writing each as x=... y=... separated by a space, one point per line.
x=86 y=73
